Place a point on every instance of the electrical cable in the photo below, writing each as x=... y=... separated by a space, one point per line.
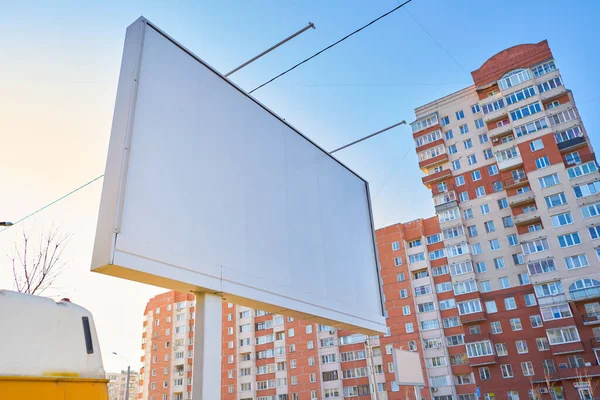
x=54 y=202
x=330 y=46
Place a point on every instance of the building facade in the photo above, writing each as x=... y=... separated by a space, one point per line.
x=515 y=186
x=117 y=384
x=498 y=293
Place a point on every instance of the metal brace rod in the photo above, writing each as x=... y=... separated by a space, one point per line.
x=307 y=27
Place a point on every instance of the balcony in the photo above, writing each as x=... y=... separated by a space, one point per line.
x=485 y=360
x=500 y=131
x=527 y=218
x=504 y=146
x=585 y=158
x=571 y=144
x=471 y=318
x=436 y=176
x=551 y=300
x=495 y=115
x=522 y=198
x=432 y=162
x=553 y=93
x=520 y=180
x=594 y=198
x=510 y=163
x=584 y=294
x=566 y=348
x=593 y=319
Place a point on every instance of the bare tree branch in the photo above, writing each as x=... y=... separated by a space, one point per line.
x=37 y=263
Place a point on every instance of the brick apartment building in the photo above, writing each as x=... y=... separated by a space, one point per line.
x=499 y=291
x=117 y=385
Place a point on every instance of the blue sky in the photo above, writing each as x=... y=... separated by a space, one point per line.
x=60 y=64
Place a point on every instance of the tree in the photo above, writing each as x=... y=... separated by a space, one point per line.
x=37 y=259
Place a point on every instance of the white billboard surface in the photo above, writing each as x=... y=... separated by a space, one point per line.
x=409 y=371
x=207 y=190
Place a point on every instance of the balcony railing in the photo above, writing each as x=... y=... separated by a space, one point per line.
x=581 y=160
x=444 y=198
x=521 y=198
x=586 y=293
x=571 y=143
x=527 y=217
x=520 y=179
x=592 y=319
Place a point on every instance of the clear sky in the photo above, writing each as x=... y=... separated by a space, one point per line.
x=59 y=64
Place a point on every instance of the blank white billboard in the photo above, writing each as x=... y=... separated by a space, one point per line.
x=409 y=371
x=208 y=190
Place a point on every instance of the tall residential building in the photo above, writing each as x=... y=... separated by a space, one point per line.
x=516 y=190
x=498 y=293
x=117 y=385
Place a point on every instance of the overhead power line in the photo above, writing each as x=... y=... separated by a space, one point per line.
x=330 y=46
x=54 y=202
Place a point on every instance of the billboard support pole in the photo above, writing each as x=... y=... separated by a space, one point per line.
x=307 y=27
x=206 y=370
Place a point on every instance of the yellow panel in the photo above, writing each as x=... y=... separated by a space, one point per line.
x=28 y=388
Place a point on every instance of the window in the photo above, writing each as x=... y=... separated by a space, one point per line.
x=406 y=310
x=414 y=258
x=487 y=154
x=563 y=335
x=449 y=135
x=480 y=191
x=576 y=361
x=438 y=381
x=441 y=270
x=484 y=373
x=521 y=346
x=529 y=300
x=430 y=324
x=428 y=138
x=435 y=238
x=451 y=322
x=548 y=181
x=496 y=327
x=472 y=159
x=455 y=340
x=463 y=196
x=422 y=290
x=429 y=306
x=499 y=263
x=494 y=245
x=490 y=307
x=468 y=213
x=485 y=286
x=460 y=115
x=464 y=379
x=501 y=349
x=587 y=189
x=472 y=230
x=510 y=303
x=436 y=362
x=562 y=219
x=514 y=78
x=459 y=359
x=569 y=240
x=561 y=117
x=504 y=282
x=542 y=344
x=507 y=371
x=467 y=143
x=493 y=170
x=553 y=312
x=512 y=240
x=409 y=327
x=455 y=165
x=485 y=209
x=518 y=259
x=479 y=124
x=493 y=106
x=536 y=145
x=463 y=129
x=444 y=121
x=424 y=123
x=395 y=246
x=479 y=349
x=543 y=69
x=520 y=95
x=525 y=111
x=542 y=162
x=536 y=321
x=475 y=108
x=581 y=170
x=403 y=293
x=515 y=324
x=535 y=246
x=476 y=248
x=577 y=261
x=548 y=289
